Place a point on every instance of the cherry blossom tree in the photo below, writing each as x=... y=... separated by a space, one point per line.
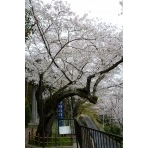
x=67 y=56
x=110 y=92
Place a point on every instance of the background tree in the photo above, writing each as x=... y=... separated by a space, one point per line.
x=65 y=48
x=111 y=97
x=29 y=24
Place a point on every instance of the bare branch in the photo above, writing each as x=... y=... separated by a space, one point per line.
x=112 y=86
x=62 y=89
x=96 y=84
x=89 y=81
x=80 y=75
x=101 y=76
x=111 y=67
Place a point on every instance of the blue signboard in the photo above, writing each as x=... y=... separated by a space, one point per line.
x=60 y=113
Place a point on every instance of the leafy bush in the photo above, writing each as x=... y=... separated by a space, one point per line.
x=114 y=129
x=27 y=113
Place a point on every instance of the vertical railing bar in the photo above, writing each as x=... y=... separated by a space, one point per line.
x=116 y=145
x=109 y=143
x=99 y=139
x=89 y=137
x=98 y=136
x=113 y=141
x=83 y=142
x=103 y=140
x=95 y=137
x=95 y=140
x=84 y=137
x=85 y=134
x=82 y=133
x=106 y=141
x=76 y=133
x=80 y=139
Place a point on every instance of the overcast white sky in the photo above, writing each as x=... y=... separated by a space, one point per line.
x=106 y=10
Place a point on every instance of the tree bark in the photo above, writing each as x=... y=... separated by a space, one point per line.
x=45 y=125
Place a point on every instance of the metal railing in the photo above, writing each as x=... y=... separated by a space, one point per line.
x=91 y=138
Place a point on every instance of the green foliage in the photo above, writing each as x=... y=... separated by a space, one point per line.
x=27 y=113
x=110 y=127
x=114 y=129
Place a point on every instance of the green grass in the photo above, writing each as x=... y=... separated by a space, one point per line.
x=55 y=141
x=61 y=141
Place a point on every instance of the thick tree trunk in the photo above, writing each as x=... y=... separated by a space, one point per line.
x=45 y=126
x=44 y=129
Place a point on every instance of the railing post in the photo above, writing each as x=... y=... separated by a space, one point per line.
x=32 y=131
x=29 y=138
x=47 y=139
x=39 y=140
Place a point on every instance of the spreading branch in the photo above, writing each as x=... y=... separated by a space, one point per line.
x=101 y=76
x=111 y=67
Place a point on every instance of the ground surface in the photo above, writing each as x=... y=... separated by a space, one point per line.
x=26 y=134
